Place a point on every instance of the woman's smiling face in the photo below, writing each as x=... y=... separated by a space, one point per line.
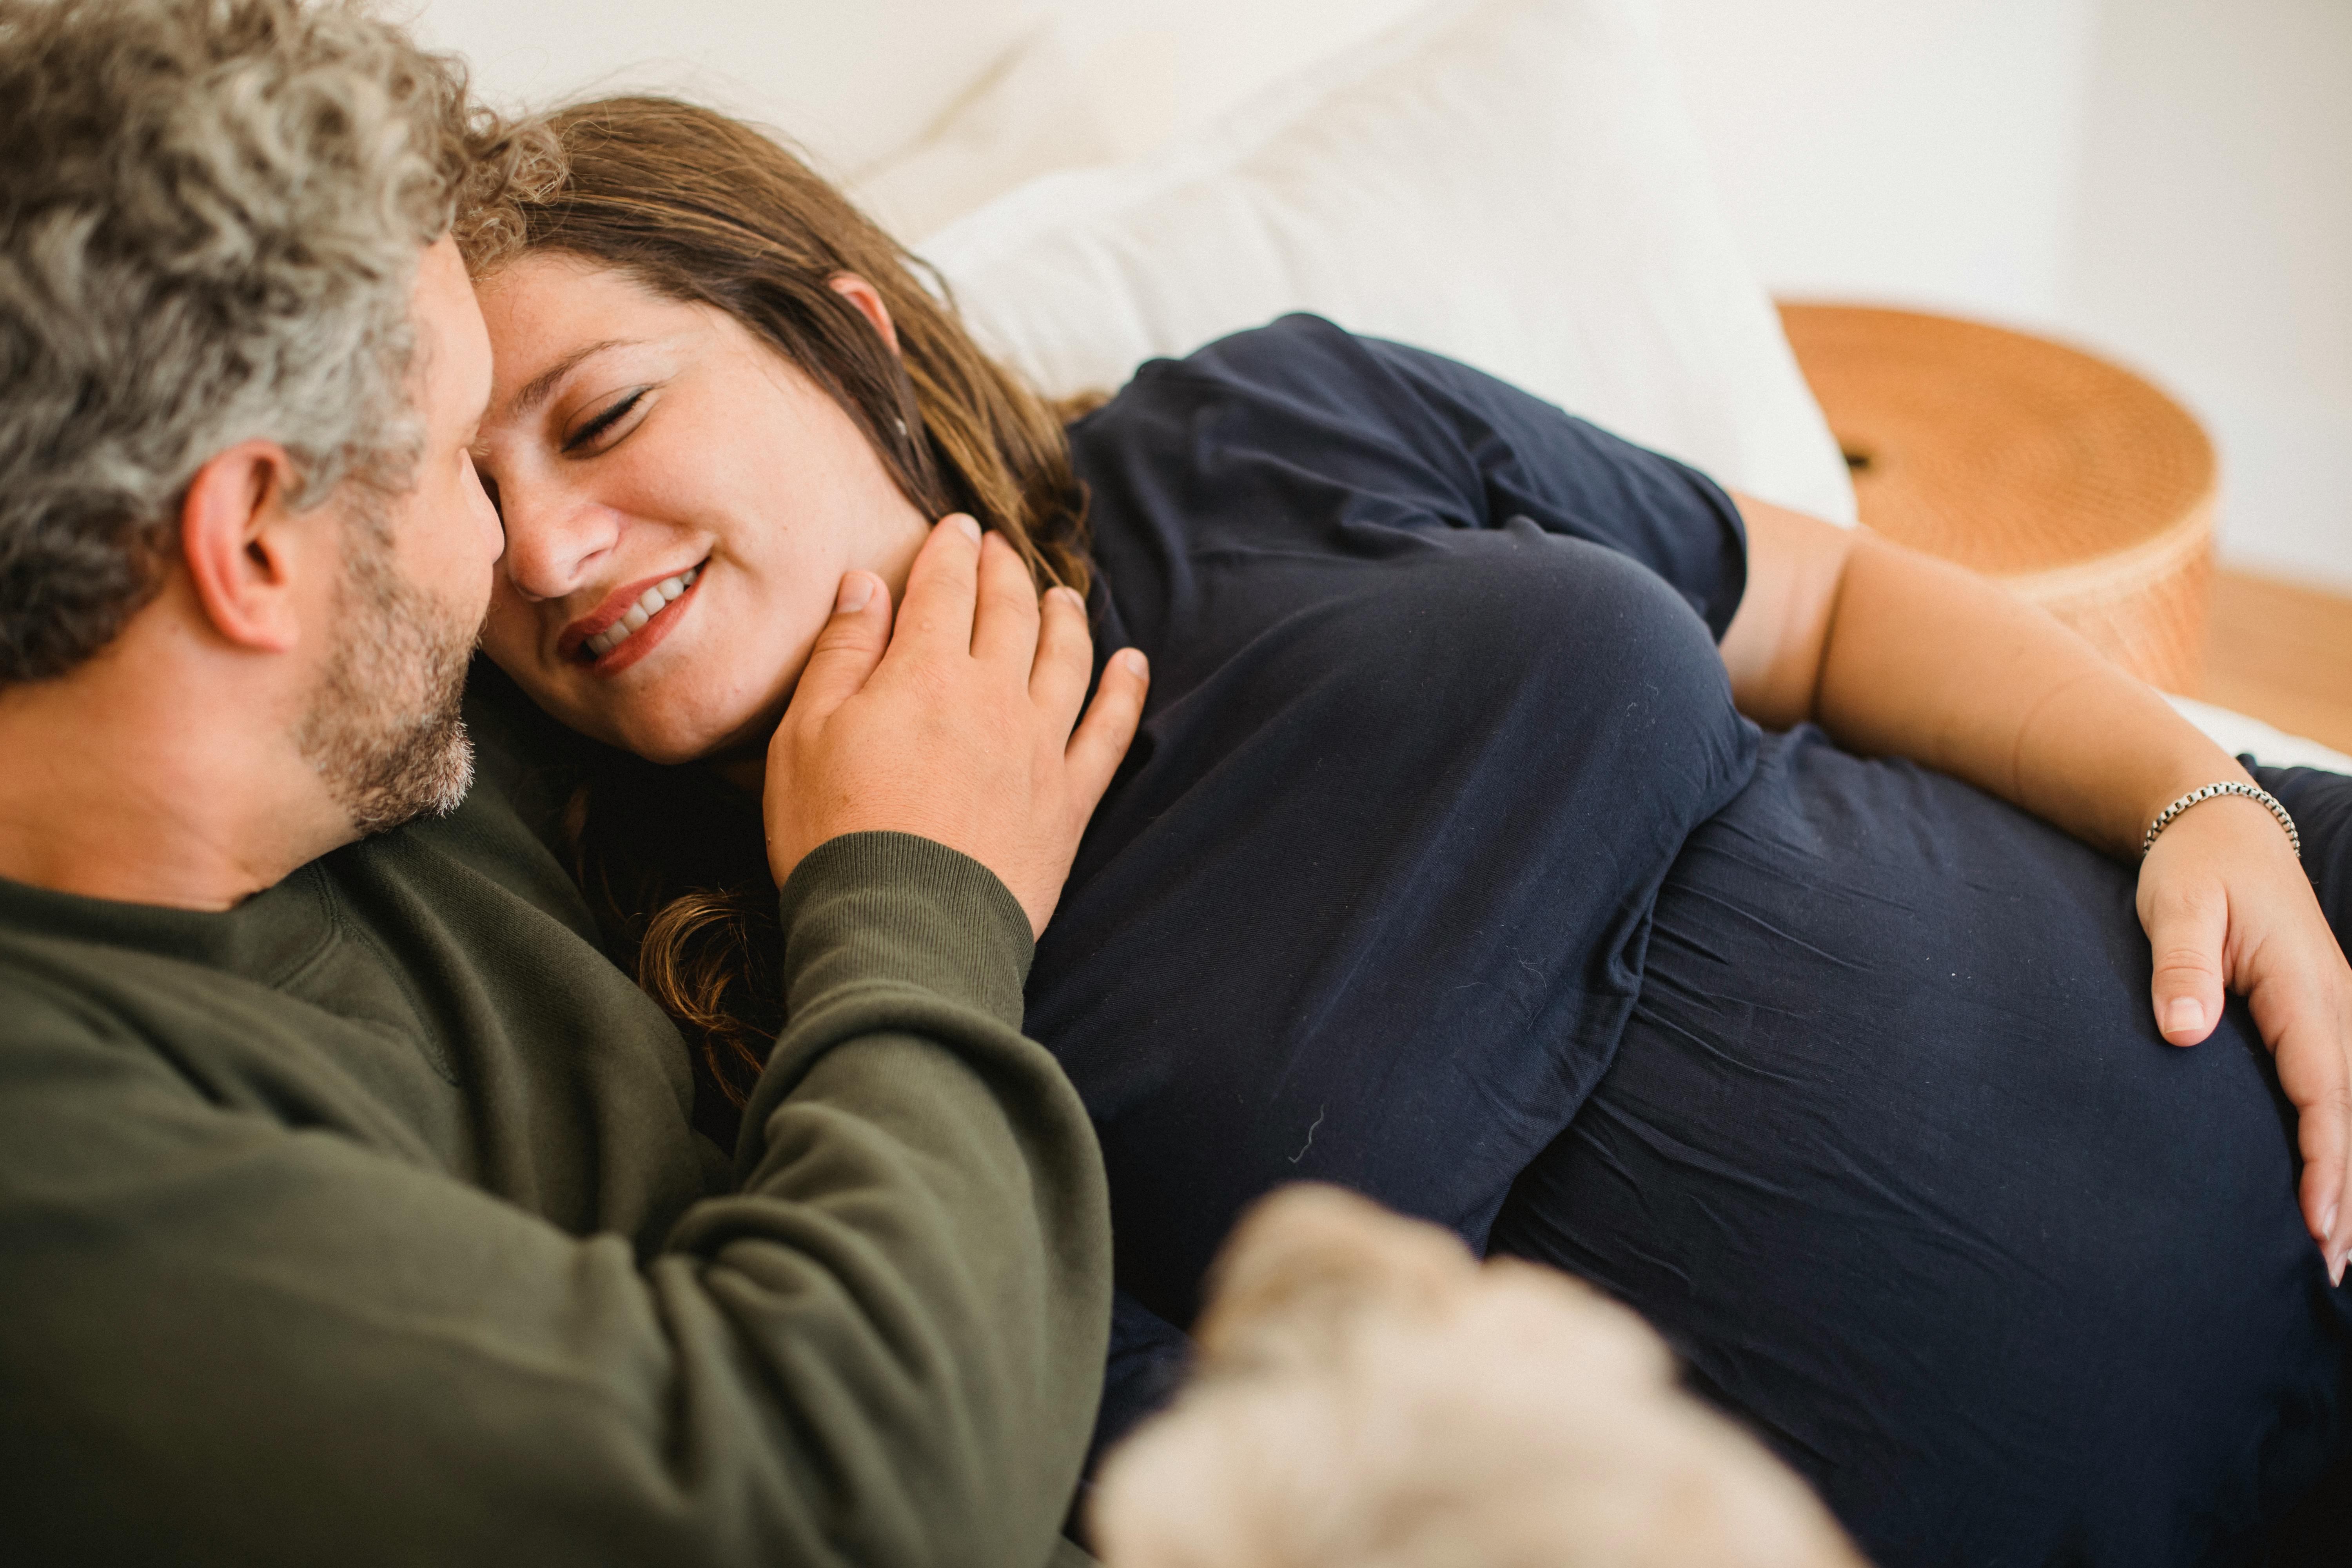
x=680 y=503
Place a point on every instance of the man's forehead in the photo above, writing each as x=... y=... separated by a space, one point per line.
x=453 y=345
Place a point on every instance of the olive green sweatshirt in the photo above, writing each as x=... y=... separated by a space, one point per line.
x=363 y=1224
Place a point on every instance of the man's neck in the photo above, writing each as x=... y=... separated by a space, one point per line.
x=122 y=783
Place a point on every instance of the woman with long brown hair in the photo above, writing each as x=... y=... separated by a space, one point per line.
x=951 y=431
x=1749 y=915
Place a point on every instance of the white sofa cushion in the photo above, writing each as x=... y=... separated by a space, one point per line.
x=1509 y=182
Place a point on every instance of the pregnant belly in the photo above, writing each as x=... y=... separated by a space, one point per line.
x=1891 y=1149
x=1874 y=898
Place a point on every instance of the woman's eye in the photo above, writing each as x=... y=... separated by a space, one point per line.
x=603 y=424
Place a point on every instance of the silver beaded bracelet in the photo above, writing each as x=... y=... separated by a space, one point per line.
x=2266 y=800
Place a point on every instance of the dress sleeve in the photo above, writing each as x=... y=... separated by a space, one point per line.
x=1427 y=436
x=227 y=1339
x=1571 y=477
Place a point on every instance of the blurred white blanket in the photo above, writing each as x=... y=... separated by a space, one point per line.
x=2240 y=734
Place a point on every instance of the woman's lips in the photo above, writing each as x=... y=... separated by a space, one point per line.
x=582 y=640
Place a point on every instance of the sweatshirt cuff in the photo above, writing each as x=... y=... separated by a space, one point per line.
x=893 y=907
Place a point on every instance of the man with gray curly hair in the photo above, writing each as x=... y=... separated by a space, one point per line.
x=215 y=302
x=349 y=1206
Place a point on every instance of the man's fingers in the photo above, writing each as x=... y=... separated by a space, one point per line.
x=1066 y=659
x=847 y=648
x=2186 y=938
x=1004 y=619
x=1109 y=728
x=935 y=617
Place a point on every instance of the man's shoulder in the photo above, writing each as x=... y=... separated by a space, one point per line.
x=45 y=988
x=70 y=997
x=70 y=1030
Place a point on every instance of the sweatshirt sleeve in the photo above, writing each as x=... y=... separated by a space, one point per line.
x=227 y=1339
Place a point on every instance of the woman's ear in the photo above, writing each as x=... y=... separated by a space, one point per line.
x=242 y=547
x=868 y=300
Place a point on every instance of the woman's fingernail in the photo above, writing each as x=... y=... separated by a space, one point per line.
x=1136 y=663
x=856 y=593
x=1067 y=596
x=971 y=529
x=2183 y=1013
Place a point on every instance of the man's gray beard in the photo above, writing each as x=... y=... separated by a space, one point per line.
x=385 y=729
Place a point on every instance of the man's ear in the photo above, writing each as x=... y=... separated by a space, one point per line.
x=868 y=300
x=244 y=549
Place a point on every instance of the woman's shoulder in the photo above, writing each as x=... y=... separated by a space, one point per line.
x=1320 y=394
x=1302 y=432
x=1288 y=348
x=1300 y=359
x=1300 y=399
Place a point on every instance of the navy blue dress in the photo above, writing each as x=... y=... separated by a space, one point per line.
x=1444 y=868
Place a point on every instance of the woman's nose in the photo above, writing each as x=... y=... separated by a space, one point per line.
x=554 y=538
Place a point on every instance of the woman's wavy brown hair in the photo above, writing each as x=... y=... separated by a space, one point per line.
x=703 y=208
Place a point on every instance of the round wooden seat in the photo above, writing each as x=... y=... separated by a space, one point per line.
x=2073 y=482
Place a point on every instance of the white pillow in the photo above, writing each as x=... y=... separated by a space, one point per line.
x=1029 y=116
x=1509 y=182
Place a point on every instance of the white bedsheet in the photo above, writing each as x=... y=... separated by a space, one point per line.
x=2239 y=733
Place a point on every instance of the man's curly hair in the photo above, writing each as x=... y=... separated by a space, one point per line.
x=211 y=217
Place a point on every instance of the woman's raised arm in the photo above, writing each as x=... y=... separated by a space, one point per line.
x=1894 y=653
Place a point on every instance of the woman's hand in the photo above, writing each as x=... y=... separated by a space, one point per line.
x=958 y=728
x=2227 y=906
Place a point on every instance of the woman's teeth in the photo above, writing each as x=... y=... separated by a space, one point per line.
x=644 y=610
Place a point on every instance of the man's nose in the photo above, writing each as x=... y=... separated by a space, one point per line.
x=485 y=513
x=554 y=538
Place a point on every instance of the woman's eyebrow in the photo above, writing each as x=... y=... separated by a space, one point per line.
x=535 y=390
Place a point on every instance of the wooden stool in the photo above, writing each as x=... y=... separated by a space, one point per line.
x=2074 y=483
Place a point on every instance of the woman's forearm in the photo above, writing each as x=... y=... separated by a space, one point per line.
x=1927 y=661
x=1894 y=653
